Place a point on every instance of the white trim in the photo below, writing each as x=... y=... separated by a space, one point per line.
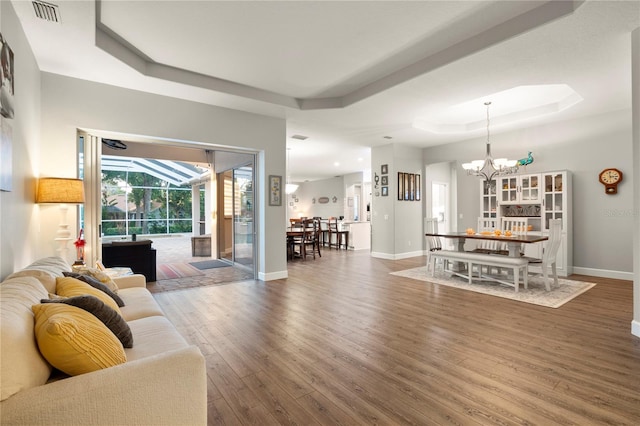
x=635 y=328
x=604 y=273
x=387 y=256
x=271 y=276
x=398 y=256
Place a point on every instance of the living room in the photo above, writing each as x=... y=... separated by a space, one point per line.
x=51 y=108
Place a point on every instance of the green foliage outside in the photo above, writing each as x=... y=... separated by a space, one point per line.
x=150 y=203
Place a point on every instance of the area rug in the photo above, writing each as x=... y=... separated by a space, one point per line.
x=169 y=271
x=535 y=294
x=210 y=264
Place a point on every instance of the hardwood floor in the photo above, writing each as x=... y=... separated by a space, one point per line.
x=343 y=342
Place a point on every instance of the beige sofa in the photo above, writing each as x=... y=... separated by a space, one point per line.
x=163 y=381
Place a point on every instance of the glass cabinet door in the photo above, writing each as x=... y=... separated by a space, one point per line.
x=529 y=188
x=509 y=189
x=488 y=200
x=553 y=190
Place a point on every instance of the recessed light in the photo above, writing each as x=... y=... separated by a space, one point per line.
x=336 y=164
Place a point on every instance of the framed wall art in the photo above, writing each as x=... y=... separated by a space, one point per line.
x=385 y=180
x=412 y=187
x=407 y=186
x=400 y=186
x=6 y=79
x=418 y=187
x=275 y=190
x=385 y=191
x=384 y=169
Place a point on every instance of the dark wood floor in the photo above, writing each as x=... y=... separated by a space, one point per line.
x=343 y=342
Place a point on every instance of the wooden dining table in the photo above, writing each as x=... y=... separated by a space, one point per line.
x=513 y=242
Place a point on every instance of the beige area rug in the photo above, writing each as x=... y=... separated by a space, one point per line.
x=535 y=294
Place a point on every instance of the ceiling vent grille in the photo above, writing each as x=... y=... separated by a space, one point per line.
x=47 y=11
x=299 y=137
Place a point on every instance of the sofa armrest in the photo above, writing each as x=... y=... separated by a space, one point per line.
x=128 y=281
x=165 y=389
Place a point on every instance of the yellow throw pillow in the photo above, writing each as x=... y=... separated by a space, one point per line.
x=74 y=341
x=69 y=287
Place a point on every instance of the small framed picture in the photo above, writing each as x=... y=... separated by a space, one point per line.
x=275 y=190
x=385 y=180
x=418 y=187
x=407 y=186
x=384 y=169
x=400 y=186
x=385 y=191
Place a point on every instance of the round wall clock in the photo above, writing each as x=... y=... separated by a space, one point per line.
x=610 y=178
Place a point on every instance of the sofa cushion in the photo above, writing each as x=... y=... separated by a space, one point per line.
x=21 y=364
x=100 y=275
x=139 y=303
x=112 y=319
x=48 y=268
x=74 y=341
x=95 y=283
x=69 y=287
x=47 y=279
x=153 y=335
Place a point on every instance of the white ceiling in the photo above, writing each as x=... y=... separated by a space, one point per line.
x=346 y=73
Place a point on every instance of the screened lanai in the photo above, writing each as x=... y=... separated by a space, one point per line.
x=151 y=196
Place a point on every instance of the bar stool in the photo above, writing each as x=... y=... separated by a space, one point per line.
x=341 y=236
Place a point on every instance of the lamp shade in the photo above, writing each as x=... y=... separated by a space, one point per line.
x=60 y=190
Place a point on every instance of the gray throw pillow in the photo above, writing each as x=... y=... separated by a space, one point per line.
x=97 y=285
x=104 y=313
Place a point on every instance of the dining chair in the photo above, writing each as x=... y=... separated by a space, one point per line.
x=433 y=243
x=316 y=236
x=550 y=254
x=341 y=237
x=487 y=224
x=517 y=226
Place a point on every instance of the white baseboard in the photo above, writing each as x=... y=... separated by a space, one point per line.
x=635 y=328
x=604 y=273
x=397 y=256
x=271 y=276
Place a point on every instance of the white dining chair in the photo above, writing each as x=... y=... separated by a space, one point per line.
x=517 y=226
x=433 y=243
x=550 y=254
x=487 y=224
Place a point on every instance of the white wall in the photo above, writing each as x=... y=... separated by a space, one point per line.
x=308 y=191
x=68 y=104
x=19 y=229
x=635 y=56
x=396 y=225
x=602 y=224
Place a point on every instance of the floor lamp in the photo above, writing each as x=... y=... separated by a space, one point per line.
x=63 y=191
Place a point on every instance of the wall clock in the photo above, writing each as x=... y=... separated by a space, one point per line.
x=610 y=178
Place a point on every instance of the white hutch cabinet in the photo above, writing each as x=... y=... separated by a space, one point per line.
x=539 y=197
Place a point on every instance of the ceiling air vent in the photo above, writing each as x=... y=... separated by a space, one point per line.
x=47 y=11
x=299 y=137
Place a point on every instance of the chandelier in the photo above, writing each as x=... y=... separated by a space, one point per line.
x=490 y=167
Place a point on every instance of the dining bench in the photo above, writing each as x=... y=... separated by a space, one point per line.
x=471 y=259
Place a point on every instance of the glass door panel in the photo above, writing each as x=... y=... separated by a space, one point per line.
x=243 y=219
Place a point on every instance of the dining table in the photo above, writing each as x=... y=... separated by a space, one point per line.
x=513 y=242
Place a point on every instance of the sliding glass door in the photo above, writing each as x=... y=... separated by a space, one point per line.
x=236 y=227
